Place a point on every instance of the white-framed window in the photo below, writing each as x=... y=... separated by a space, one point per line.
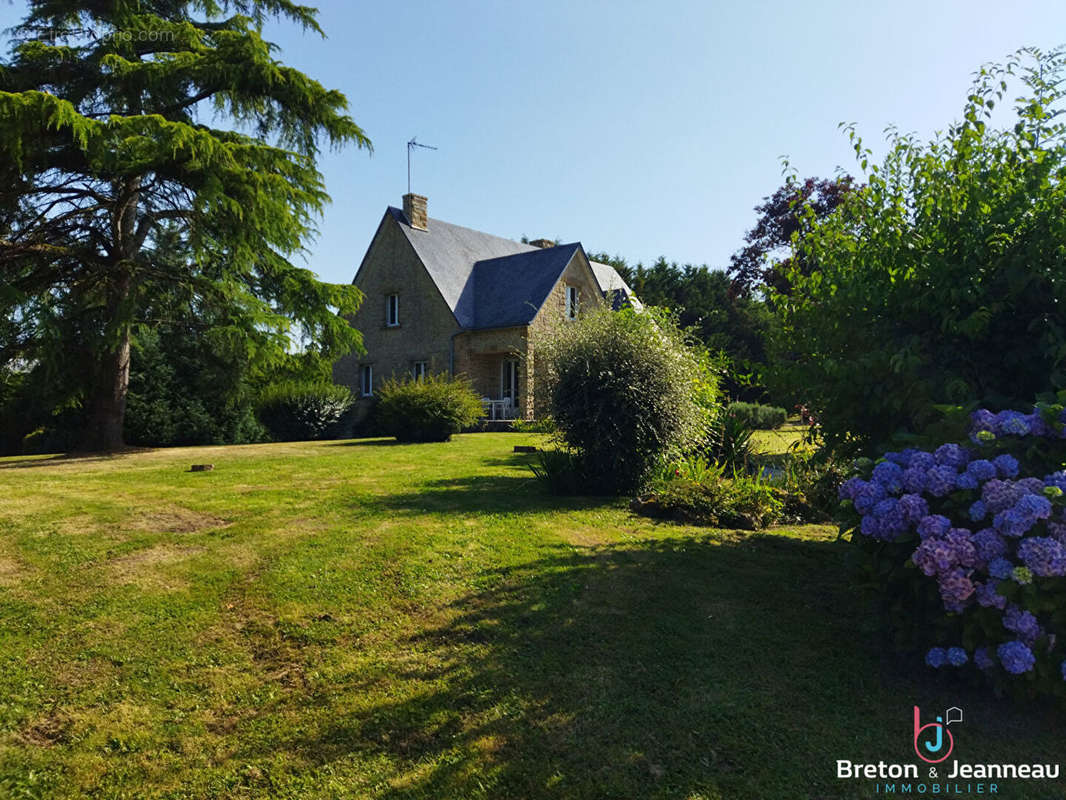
x=366 y=380
x=392 y=310
x=420 y=370
x=571 y=302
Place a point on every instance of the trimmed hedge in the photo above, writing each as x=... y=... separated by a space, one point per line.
x=302 y=411
x=426 y=410
x=759 y=416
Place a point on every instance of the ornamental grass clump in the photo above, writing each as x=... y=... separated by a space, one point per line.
x=628 y=391
x=965 y=547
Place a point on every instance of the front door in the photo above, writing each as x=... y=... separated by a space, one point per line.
x=509 y=381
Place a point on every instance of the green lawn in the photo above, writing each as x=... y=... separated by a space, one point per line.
x=779 y=440
x=368 y=620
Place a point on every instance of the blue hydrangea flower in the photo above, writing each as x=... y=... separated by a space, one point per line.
x=940 y=480
x=1056 y=479
x=1034 y=506
x=988 y=597
x=983 y=658
x=1030 y=486
x=982 y=469
x=849 y=487
x=1012 y=423
x=961 y=541
x=1006 y=466
x=951 y=455
x=871 y=526
x=982 y=420
x=1016 y=657
x=888 y=474
x=934 y=525
x=936 y=657
x=999 y=495
x=1022 y=622
x=921 y=460
x=957 y=656
x=914 y=507
x=1000 y=568
x=989 y=545
x=965 y=481
x=1064 y=670
x=868 y=495
x=914 y=480
x=1057 y=530
x=934 y=556
x=978 y=510
x=1044 y=556
x=1037 y=425
x=891 y=521
x=1012 y=523
x=956 y=590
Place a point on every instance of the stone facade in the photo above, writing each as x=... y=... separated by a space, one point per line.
x=578 y=274
x=426 y=324
x=427 y=330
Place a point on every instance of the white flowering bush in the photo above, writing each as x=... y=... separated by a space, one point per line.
x=965 y=547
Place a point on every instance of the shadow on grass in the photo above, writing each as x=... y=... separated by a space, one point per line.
x=365 y=443
x=724 y=665
x=482 y=494
x=60 y=459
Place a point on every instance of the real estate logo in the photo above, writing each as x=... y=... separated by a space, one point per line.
x=929 y=739
x=934 y=744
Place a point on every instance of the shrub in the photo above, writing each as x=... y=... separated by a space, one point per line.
x=302 y=411
x=759 y=416
x=713 y=499
x=951 y=251
x=627 y=392
x=544 y=424
x=965 y=547
x=729 y=440
x=427 y=410
x=561 y=471
x=811 y=481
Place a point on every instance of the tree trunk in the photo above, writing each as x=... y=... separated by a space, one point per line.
x=111 y=380
x=109 y=401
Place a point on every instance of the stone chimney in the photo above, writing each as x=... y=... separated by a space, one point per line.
x=542 y=243
x=414 y=208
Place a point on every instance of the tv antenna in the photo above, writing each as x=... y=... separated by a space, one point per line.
x=411 y=145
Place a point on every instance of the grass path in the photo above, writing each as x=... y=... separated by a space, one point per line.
x=368 y=620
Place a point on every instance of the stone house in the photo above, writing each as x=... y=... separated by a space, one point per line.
x=443 y=298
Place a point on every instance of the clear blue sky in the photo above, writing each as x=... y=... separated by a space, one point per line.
x=644 y=129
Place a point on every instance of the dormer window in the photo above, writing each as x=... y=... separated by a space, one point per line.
x=571 y=303
x=392 y=310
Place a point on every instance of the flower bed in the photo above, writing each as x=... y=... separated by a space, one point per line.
x=965 y=546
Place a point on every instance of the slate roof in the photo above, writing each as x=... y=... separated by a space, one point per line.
x=492 y=282
x=615 y=289
x=510 y=290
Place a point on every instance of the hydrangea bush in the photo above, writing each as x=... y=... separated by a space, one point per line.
x=965 y=546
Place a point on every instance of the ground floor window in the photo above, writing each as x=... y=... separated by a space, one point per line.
x=367 y=380
x=509 y=381
x=419 y=370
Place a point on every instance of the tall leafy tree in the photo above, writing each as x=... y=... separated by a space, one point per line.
x=942 y=282
x=122 y=119
x=768 y=254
